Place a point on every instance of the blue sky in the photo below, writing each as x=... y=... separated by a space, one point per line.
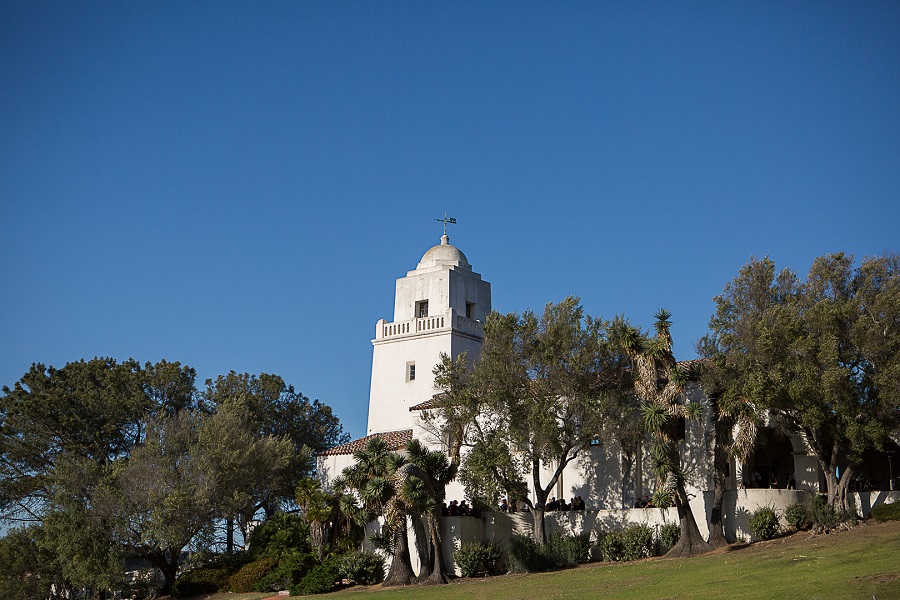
x=237 y=185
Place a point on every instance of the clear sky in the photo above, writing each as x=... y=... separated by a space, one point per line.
x=238 y=185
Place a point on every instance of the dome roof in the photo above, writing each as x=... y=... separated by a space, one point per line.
x=444 y=254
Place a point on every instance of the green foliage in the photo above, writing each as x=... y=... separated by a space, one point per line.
x=632 y=543
x=468 y=558
x=797 y=515
x=490 y=555
x=280 y=535
x=825 y=516
x=291 y=569
x=611 y=545
x=570 y=550
x=662 y=499
x=365 y=568
x=546 y=385
x=473 y=557
x=817 y=354
x=637 y=542
x=763 y=523
x=561 y=551
x=669 y=534
x=203 y=580
x=320 y=579
x=27 y=569
x=527 y=556
x=886 y=512
x=248 y=576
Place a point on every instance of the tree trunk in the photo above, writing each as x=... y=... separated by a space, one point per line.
x=691 y=543
x=317 y=538
x=540 y=535
x=229 y=535
x=720 y=463
x=401 y=572
x=167 y=563
x=438 y=573
x=423 y=546
x=843 y=494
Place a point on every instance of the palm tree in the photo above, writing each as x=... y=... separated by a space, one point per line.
x=321 y=512
x=659 y=382
x=436 y=471
x=377 y=477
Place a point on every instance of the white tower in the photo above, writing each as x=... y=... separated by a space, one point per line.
x=438 y=307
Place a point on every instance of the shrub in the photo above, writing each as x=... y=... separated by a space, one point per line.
x=291 y=570
x=797 y=516
x=823 y=515
x=280 y=535
x=490 y=555
x=611 y=546
x=663 y=499
x=203 y=580
x=320 y=579
x=637 y=542
x=764 y=523
x=886 y=512
x=366 y=568
x=570 y=550
x=527 y=556
x=669 y=534
x=468 y=558
x=246 y=578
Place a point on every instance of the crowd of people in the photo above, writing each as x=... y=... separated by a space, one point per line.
x=577 y=503
x=458 y=508
x=644 y=502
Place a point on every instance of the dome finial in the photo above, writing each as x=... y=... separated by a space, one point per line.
x=446 y=221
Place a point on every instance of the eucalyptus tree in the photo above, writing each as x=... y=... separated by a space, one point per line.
x=823 y=355
x=660 y=382
x=543 y=390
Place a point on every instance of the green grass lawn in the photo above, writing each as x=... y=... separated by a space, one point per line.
x=853 y=564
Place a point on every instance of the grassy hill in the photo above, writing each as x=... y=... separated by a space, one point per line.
x=859 y=563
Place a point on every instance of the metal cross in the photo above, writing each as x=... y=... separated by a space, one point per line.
x=447 y=221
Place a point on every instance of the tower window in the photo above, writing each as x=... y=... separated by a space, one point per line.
x=470 y=310
x=422 y=308
x=410 y=371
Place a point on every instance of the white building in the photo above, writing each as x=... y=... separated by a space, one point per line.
x=439 y=307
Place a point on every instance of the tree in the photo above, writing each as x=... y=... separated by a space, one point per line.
x=276 y=409
x=376 y=479
x=321 y=513
x=426 y=491
x=543 y=390
x=191 y=470
x=821 y=355
x=27 y=569
x=88 y=409
x=659 y=382
x=63 y=433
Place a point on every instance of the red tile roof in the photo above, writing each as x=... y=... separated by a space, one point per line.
x=395 y=440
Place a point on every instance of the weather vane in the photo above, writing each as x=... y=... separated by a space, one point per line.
x=446 y=221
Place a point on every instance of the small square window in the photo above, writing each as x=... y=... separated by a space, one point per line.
x=422 y=308
x=470 y=310
x=410 y=371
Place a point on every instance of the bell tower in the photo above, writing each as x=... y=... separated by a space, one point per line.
x=439 y=306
